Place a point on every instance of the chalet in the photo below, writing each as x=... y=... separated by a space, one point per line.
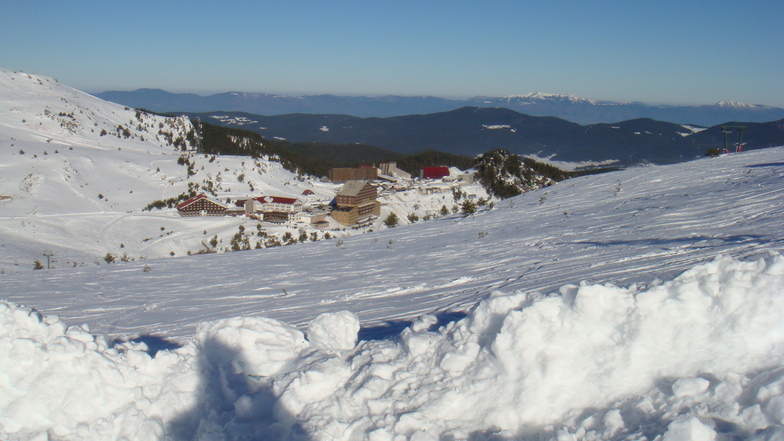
x=433 y=172
x=354 y=202
x=202 y=205
x=309 y=197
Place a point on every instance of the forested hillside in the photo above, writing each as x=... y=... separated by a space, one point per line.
x=471 y=131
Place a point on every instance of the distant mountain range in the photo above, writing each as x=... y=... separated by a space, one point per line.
x=568 y=107
x=470 y=131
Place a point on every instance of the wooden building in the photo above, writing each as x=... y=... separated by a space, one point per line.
x=362 y=173
x=355 y=202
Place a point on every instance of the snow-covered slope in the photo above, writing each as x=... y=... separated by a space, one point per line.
x=581 y=324
x=77 y=172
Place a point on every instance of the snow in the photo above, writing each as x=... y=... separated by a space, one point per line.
x=68 y=190
x=639 y=304
x=738 y=104
x=499 y=127
x=691 y=130
x=234 y=120
x=510 y=365
x=539 y=96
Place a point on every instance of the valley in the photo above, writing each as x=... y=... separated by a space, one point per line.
x=662 y=283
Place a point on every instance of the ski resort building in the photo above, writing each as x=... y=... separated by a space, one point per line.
x=275 y=209
x=355 y=202
x=390 y=172
x=267 y=204
x=433 y=172
x=362 y=173
x=202 y=205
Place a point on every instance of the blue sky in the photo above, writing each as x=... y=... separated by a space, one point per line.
x=671 y=52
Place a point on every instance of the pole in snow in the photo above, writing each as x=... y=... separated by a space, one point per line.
x=48 y=255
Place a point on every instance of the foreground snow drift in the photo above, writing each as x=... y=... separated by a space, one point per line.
x=692 y=358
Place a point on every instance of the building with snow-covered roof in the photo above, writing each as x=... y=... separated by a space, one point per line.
x=202 y=205
x=275 y=209
x=354 y=202
x=268 y=204
x=389 y=171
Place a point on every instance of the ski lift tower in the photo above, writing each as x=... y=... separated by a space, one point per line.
x=738 y=145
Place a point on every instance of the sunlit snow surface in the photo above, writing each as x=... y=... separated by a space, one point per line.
x=584 y=326
x=638 y=304
x=626 y=227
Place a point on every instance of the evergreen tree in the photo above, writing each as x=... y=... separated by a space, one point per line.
x=468 y=207
x=391 y=221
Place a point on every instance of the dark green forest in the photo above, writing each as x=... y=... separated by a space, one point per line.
x=314 y=158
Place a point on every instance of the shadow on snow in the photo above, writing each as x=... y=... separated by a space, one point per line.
x=393 y=328
x=232 y=405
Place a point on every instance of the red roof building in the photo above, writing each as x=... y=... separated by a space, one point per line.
x=433 y=172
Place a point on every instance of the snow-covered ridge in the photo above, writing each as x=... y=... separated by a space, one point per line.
x=539 y=96
x=78 y=172
x=740 y=105
x=39 y=108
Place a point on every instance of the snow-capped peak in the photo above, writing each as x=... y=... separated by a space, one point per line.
x=540 y=96
x=738 y=105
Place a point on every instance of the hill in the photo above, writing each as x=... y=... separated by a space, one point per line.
x=568 y=107
x=639 y=304
x=470 y=131
x=80 y=173
x=663 y=284
x=88 y=182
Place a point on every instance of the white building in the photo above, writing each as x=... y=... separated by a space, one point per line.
x=273 y=204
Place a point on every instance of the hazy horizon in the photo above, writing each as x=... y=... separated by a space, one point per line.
x=664 y=53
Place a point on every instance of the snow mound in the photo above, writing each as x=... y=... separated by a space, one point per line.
x=255 y=346
x=334 y=331
x=697 y=357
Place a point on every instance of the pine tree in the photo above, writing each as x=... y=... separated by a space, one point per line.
x=391 y=221
x=468 y=207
